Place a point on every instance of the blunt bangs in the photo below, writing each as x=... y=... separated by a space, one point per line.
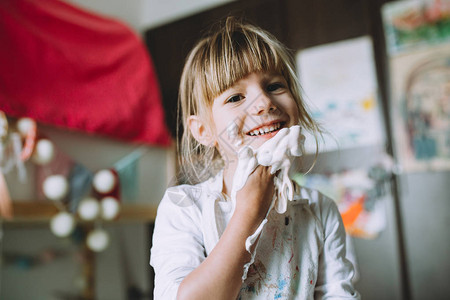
x=234 y=53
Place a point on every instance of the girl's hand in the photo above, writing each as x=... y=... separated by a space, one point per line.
x=254 y=199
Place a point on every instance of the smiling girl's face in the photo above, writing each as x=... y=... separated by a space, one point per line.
x=238 y=87
x=252 y=111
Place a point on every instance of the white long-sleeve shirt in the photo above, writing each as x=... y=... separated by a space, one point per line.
x=300 y=254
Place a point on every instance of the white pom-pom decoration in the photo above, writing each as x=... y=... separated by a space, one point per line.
x=55 y=187
x=110 y=208
x=43 y=152
x=97 y=240
x=104 y=181
x=88 y=209
x=24 y=125
x=63 y=224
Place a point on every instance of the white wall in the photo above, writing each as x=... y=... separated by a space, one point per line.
x=145 y=14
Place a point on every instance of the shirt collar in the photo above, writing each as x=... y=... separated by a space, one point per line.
x=215 y=183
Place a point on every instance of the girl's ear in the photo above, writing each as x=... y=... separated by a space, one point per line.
x=201 y=132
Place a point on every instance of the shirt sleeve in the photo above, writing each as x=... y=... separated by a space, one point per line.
x=177 y=242
x=335 y=271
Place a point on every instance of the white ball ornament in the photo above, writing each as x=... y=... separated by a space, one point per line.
x=110 y=208
x=63 y=224
x=97 y=240
x=24 y=125
x=104 y=181
x=43 y=152
x=88 y=209
x=55 y=187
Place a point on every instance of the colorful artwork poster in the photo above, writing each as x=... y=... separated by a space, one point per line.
x=420 y=108
x=340 y=87
x=414 y=24
x=418 y=44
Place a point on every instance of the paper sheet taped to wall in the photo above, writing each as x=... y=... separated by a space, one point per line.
x=340 y=86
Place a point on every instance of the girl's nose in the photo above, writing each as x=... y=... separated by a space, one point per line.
x=263 y=105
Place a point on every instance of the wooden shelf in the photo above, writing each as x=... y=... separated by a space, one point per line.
x=43 y=211
x=39 y=213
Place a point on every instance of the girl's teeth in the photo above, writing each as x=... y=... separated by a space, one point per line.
x=265 y=130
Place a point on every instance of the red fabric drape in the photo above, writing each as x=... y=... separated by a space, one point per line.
x=65 y=66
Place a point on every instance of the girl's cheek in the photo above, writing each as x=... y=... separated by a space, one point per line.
x=234 y=136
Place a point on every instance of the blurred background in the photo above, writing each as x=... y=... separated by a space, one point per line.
x=88 y=93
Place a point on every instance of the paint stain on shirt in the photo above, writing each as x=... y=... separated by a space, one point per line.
x=281 y=285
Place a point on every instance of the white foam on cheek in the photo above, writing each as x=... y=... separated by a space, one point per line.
x=233 y=134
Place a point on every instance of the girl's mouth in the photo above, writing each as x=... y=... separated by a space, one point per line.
x=267 y=130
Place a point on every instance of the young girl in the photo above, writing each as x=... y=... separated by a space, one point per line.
x=238 y=91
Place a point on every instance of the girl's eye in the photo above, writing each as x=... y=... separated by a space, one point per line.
x=274 y=87
x=235 y=98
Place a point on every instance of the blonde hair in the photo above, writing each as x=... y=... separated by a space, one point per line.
x=218 y=61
